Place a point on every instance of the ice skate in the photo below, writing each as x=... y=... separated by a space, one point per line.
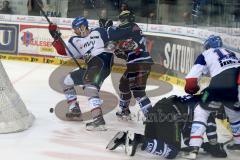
x=131 y=143
x=233 y=147
x=190 y=152
x=74 y=111
x=124 y=114
x=118 y=139
x=98 y=124
x=216 y=150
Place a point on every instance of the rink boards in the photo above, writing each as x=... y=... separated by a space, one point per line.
x=173 y=48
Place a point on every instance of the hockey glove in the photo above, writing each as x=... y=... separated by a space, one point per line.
x=120 y=54
x=57 y=44
x=104 y=23
x=109 y=23
x=191 y=86
x=53 y=30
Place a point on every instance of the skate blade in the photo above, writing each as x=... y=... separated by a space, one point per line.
x=191 y=156
x=125 y=118
x=111 y=144
x=128 y=146
x=74 y=117
x=99 y=128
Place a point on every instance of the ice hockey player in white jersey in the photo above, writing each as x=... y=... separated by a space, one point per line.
x=89 y=45
x=223 y=67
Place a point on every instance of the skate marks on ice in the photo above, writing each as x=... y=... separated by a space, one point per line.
x=163 y=87
x=83 y=147
x=110 y=102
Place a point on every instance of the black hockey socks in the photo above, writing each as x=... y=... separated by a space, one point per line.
x=145 y=104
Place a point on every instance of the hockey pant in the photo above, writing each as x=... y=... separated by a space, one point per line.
x=98 y=69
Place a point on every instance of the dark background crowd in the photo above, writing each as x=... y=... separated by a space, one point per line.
x=224 y=13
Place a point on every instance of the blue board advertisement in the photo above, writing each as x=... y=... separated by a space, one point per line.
x=9 y=38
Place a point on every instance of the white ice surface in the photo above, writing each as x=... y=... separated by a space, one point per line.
x=52 y=139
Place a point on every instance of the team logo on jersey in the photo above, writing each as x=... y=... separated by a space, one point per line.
x=93 y=37
x=90 y=43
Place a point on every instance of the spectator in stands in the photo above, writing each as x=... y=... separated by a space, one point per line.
x=236 y=14
x=152 y=18
x=6 y=8
x=124 y=7
x=104 y=14
x=33 y=8
x=85 y=13
x=76 y=8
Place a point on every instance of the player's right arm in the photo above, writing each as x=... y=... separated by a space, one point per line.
x=117 y=33
x=59 y=46
x=191 y=86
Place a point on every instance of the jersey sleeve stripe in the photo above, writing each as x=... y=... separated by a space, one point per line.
x=200 y=60
x=74 y=46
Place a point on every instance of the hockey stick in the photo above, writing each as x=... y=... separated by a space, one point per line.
x=228 y=141
x=60 y=38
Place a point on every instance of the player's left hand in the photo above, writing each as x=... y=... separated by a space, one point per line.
x=120 y=54
x=53 y=30
x=105 y=23
x=191 y=86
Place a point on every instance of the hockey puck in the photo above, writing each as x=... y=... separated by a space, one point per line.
x=51 y=110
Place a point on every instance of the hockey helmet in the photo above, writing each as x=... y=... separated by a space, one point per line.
x=126 y=16
x=77 y=22
x=213 y=42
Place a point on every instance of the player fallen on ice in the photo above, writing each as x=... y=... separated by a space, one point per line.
x=168 y=123
x=130 y=45
x=89 y=45
x=223 y=67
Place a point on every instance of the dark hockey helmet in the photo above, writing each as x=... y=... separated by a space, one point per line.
x=213 y=42
x=126 y=16
x=77 y=22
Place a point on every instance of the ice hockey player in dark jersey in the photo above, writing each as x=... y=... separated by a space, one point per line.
x=167 y=121
x=131 y=46
x=89 y=45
